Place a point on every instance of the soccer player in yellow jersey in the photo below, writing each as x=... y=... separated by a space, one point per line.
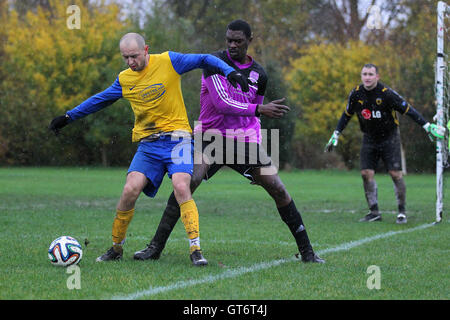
x=152 y=85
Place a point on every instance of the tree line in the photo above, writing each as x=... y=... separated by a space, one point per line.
x=313 y=52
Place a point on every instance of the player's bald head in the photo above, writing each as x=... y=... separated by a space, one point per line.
x=132 y=39
x=134 y=51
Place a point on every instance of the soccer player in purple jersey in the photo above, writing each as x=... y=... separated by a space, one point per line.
x=232 y=115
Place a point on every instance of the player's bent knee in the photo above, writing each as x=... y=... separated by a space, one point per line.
x=276 y=189
x=181 y=183
x=181 y=187
x=395 y=174
x=131 y=191
x=136 y=182
x=367 y=174
x=281 y=197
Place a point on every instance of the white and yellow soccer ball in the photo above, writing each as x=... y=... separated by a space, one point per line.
x=65 y=251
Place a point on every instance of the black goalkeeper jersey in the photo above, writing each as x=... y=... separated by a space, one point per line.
x=376 y=109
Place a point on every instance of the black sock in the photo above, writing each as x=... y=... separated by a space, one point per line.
x=168 y=221
x=290 y=215
x=374 y=208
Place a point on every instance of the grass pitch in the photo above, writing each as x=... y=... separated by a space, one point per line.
x=249 y=249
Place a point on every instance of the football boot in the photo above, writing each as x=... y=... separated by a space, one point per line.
x=152 y=252
x=370 y=217
x=114 y=253
x=198 y=259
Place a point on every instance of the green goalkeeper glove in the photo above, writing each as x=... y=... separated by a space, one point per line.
x=333 y=141
x=434 y=131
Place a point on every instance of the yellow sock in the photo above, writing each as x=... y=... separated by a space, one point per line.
x=189 y=216
x=120 y=226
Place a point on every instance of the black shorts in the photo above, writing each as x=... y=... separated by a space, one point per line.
x=387 y=149
x=242 y=157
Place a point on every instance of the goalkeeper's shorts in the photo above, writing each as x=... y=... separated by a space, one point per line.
x=242 y=157
x=388 y=150
x=166 y=154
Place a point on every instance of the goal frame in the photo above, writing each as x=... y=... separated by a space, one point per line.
x=441 y=69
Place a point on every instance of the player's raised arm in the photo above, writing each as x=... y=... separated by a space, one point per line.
x=183 y=63
x=343 y=121
x=225 y=104
x=342 y=124
x=91 y=105
x=434 y=131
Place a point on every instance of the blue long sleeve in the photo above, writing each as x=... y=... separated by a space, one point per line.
x=183 y=63
x=97 y=102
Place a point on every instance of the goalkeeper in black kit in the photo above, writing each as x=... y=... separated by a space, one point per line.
x=376 y=105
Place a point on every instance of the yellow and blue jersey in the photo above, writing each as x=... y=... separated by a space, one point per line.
x=154 y=93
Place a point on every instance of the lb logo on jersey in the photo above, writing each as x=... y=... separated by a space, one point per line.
x=378 y=101
x=153 y=92
x=366 y=114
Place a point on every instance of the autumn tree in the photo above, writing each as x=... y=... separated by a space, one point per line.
x=325 y=72
x=3 y=17
x=50 y=68
x=319 y=82
x=412 y=73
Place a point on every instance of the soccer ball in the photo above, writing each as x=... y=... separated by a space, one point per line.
x=65 y=251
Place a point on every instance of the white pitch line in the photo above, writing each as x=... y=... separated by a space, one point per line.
x=233 y=273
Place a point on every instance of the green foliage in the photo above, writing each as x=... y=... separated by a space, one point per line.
x=276 y=89
x=50 y=69
x=412 y=68
x=46 y=69
x=320 y=82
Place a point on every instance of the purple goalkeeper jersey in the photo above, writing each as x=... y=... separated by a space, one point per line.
x=227 y=110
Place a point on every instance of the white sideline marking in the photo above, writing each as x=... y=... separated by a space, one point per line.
x=259 y=266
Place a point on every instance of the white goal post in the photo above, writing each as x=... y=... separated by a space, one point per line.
x=442 y=96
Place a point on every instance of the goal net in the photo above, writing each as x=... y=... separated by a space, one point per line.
x=442 y=104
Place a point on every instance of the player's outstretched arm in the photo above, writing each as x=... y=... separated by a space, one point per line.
x=274 y=109
x=434 y=131
x=343 y=121
x=91 y=105
x=183 y=63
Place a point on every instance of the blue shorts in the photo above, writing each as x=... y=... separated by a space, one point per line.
x=155 y=158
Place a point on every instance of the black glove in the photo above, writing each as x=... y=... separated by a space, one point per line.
x=235 y=77
x=58 y=123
